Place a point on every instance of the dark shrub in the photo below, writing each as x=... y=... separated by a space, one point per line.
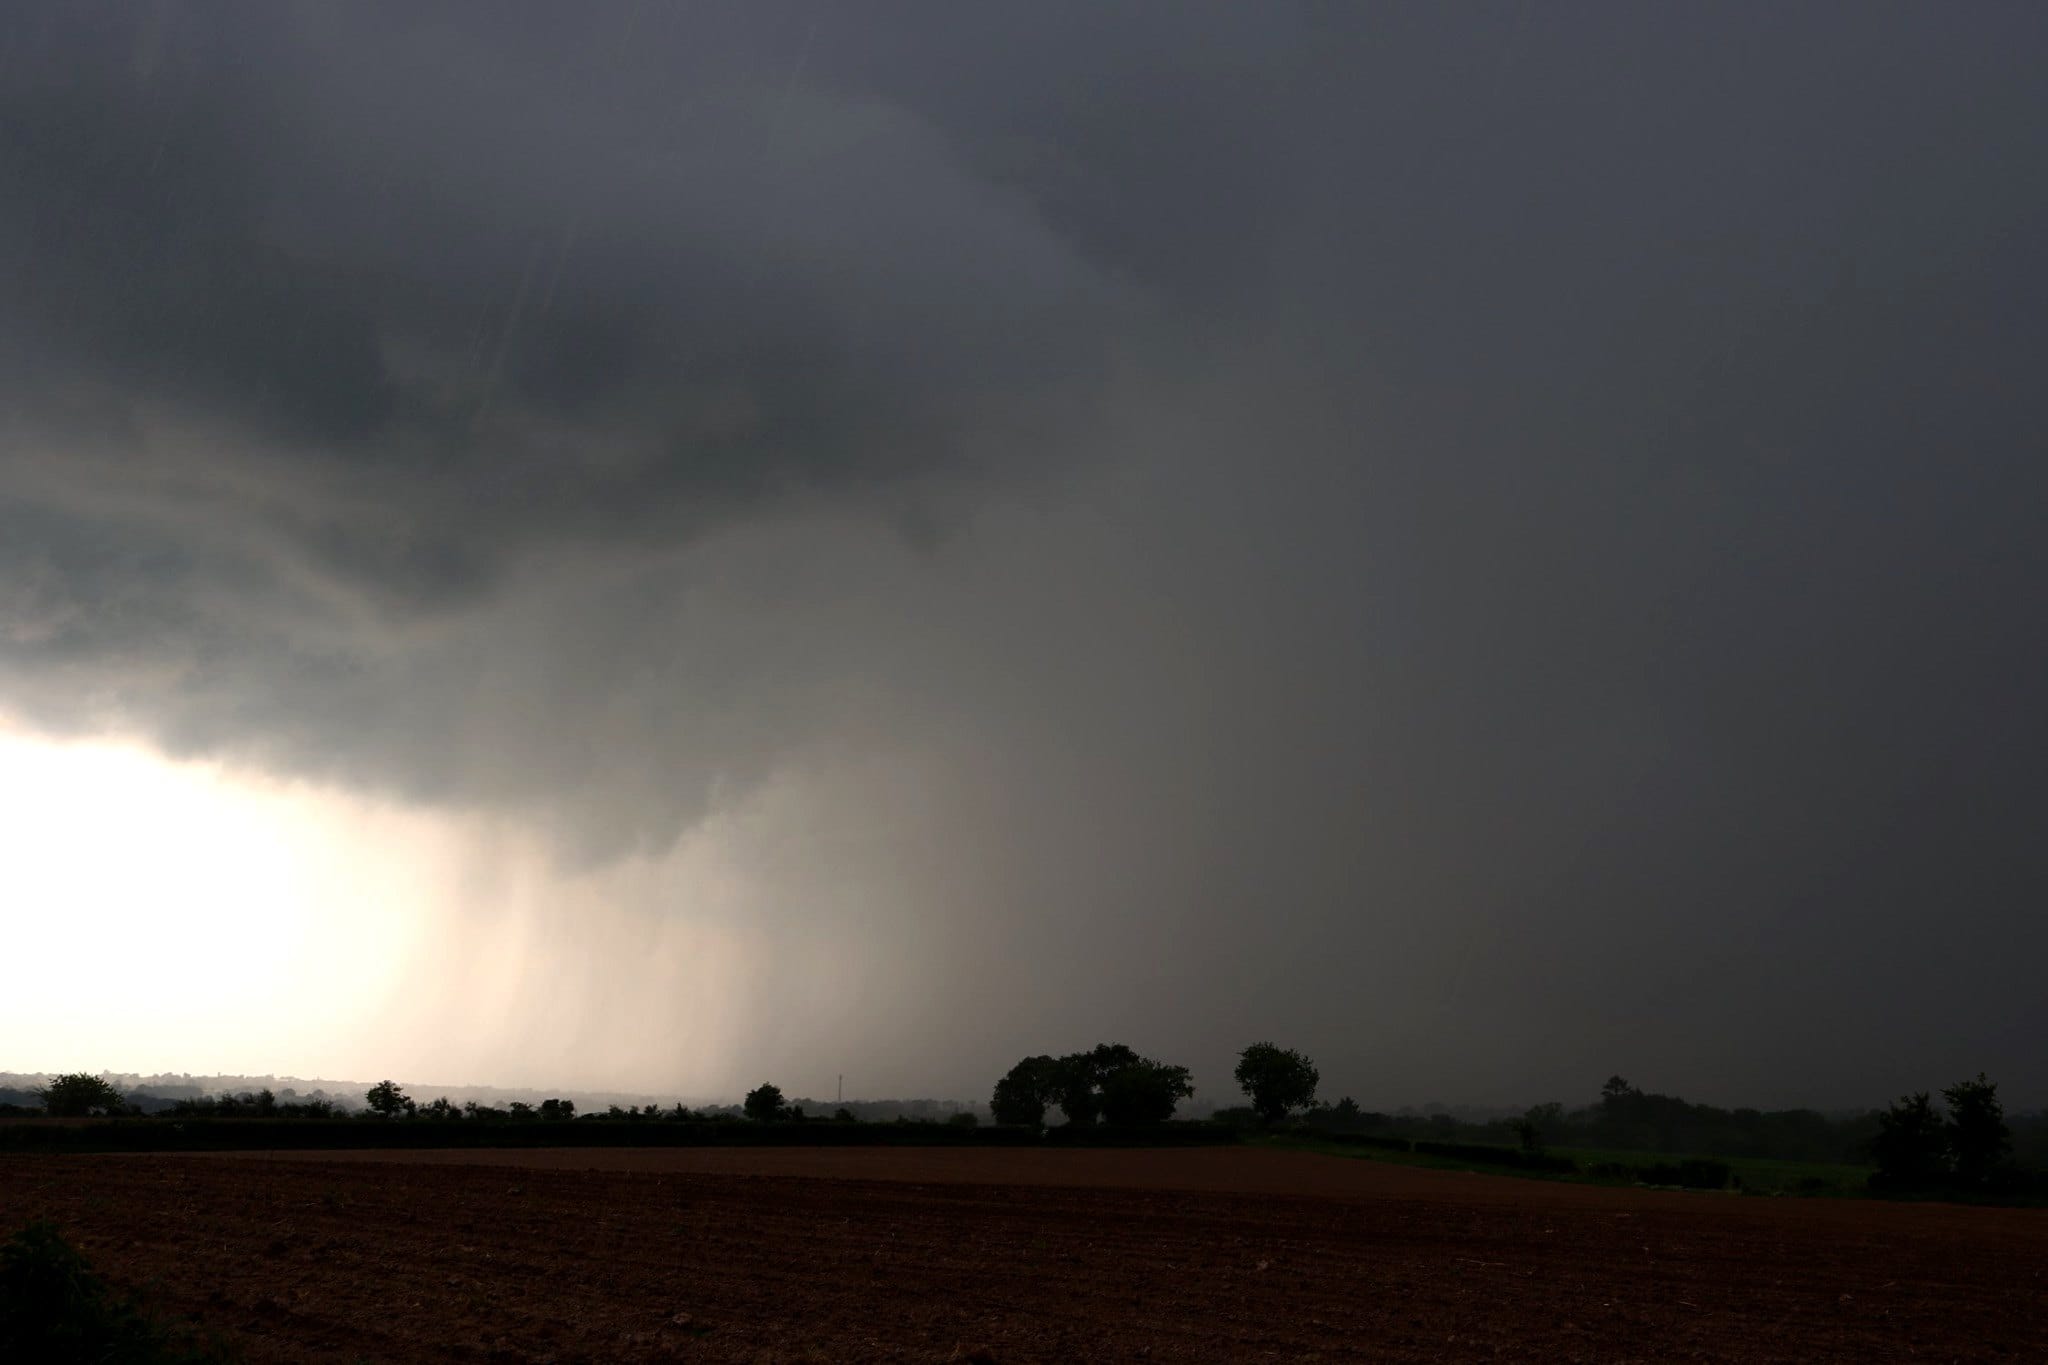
x=1237 y=1116
x=1499 y=1156
x=1382 y=1144
x=54 y=1308
x=1693 y=1173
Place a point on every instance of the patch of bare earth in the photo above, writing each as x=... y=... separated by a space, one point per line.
x=931 y=1255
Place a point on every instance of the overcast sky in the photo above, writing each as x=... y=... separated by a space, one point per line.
x=1494 y=545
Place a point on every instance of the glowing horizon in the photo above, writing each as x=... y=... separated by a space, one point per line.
x=180 y=916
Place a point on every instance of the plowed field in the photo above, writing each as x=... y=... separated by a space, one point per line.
x=930 y=1255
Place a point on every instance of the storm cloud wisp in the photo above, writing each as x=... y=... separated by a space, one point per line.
x=1496 y=550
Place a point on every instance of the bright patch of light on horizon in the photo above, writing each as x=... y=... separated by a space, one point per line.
x=174 y=915
x=166 y=916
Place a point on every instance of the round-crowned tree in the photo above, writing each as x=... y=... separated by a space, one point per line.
x=387 y=1099
x=1278 y=1079
x=1022 y=1095
x=764 y=1104
x=1110 y=1081
x=1144 y=1092
x=1078 y=1079
x=77 y=1095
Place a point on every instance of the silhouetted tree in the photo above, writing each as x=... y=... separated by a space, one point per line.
x=386 y=1099
x=557 y=1110
x=76 y=1095
x=1144 y=1092
x=1978 y=1140
x=1277 y=1079
x=1078 y=1078
x=519 y=1109
x=763 y=1104
x=1630 y=1118
x=1074 y=1093
x=1080 y=1084
x=1537 y=1123
x=1104 y=1058
x=1022 y=1096
x=1910 y=1147
x=842 y=1115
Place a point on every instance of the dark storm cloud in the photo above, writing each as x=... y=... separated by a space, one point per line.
x=520 y=291
x=1501 y=546
x=322 y=324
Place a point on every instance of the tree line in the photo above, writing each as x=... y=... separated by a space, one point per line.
x=1916 y=1145
x=82 y=1095
x=1626 y=1117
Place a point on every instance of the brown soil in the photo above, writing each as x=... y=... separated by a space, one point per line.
x=931 y=1255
